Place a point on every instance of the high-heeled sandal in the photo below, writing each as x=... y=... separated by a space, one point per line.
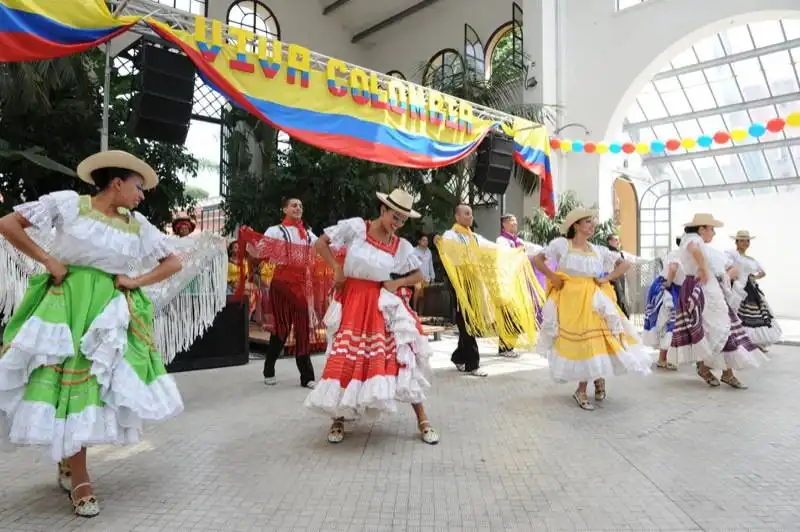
x=599 y=389
x=86 y=506
x=582 y=400
x=336 y=432
x=428 y=433
x=707 y=376
x=64 y=476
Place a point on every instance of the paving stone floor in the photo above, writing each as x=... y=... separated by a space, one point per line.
x=663 y=453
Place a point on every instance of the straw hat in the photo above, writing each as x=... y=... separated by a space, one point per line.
x=703 y=218
x=576 y=215
x=399 y=200
x=742 y=234
x=117 y=159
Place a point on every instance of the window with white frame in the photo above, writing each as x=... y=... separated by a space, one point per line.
x=195 y=7
x=625 y=4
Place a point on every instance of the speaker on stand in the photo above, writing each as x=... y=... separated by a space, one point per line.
x=494 y=163
x=163 y=88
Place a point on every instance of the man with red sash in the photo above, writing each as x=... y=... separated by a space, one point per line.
x=289 y=301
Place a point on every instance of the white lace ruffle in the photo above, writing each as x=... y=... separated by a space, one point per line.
x=128 y=399
x=378 y=394
x=765 y=336
x=634 y=358
x=659 y=337
x=345 y=231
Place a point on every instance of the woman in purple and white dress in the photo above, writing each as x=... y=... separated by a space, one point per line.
x=707 y=331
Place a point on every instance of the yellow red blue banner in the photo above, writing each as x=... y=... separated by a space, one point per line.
x=334 y=106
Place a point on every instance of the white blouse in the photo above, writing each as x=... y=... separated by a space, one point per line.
x=277 y=232
x=673 y=257
x=717 y=261
x=83 y=236
x=367 y=258
x=747 y=265
x=579 y=263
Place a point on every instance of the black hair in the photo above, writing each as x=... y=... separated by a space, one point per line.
x=571 y=231
x=103 y=177
x=678 y=241
x=287 y=200
x=234 y=243
x=692 y=230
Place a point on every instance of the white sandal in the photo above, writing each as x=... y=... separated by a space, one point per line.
x=478 y=372
x=336 y=432
x=86 y=506
x=428 y=433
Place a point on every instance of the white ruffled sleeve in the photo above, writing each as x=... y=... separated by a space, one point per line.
x=51 y=210
x=556 y=250
x=155 y=244
x=346 y=231
x=608 y=257
x=405 y=260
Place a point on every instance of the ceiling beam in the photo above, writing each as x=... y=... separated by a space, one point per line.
x=663 y=159
x=732 y=58
x=763 y=183
x=394 y=19
x=330 y=8
x=772 y=100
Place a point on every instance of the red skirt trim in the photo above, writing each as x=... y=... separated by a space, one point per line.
x=362 y=347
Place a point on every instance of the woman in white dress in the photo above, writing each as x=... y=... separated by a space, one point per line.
x=754 y=311
x=584 y=334
x=79 y=365
x=707 y=331
x=377 y=354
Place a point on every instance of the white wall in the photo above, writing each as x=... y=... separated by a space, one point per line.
x=608 y=57
x=774 y=246
x=409 y=44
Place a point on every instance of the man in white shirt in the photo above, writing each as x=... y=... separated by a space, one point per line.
x=466 y=356
x=425 y=256
x=289 y=245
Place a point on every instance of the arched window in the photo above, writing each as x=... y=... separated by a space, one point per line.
x=444 y=70
x=396 y=74
x=500 y=48
x=254 y=16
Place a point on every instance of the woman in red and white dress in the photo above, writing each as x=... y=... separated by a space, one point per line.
x=377 y=354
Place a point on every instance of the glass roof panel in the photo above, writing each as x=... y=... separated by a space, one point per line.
x=708 y=95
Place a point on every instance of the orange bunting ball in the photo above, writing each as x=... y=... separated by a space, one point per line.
x=628 y=148
x=555 y=143
x=776 y=125
x=590 y=147
x=673 y=144
x=722 y=137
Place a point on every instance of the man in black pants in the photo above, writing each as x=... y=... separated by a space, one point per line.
x=287 y=304
x=466 y=356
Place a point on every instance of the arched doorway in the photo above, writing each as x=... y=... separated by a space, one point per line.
x=626 y=214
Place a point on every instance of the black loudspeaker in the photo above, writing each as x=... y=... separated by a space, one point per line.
x=161 y=107
x=494 y=163
x=225 y=343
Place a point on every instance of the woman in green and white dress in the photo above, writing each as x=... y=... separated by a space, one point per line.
x=79 y=363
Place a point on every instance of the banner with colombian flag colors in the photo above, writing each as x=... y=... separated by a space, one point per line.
x=334 y=106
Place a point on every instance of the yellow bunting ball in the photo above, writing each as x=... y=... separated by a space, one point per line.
x=793 y=119
x=643 y=147
x=566 y=145
x=739 y=134
x=688 y=143
x=601 y=148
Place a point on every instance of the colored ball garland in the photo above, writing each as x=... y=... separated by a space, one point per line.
x=756 y=130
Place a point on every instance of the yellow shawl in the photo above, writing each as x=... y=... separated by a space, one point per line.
x=496 y=288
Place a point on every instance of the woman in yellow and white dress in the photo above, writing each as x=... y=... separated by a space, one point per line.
x=584 y=334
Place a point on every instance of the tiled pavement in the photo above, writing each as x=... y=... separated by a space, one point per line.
x=664 y=452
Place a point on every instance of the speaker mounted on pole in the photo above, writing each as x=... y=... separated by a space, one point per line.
x=494 y=163
x=163 y=93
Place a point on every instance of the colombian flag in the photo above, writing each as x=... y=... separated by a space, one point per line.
x=45 y=29
x=532 y=151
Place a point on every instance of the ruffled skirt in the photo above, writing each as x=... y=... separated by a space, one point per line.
x=659 y=316
x=376 y=356
x=585 y=336
x=79 y=366
x=708 y=330
x=757 y=318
